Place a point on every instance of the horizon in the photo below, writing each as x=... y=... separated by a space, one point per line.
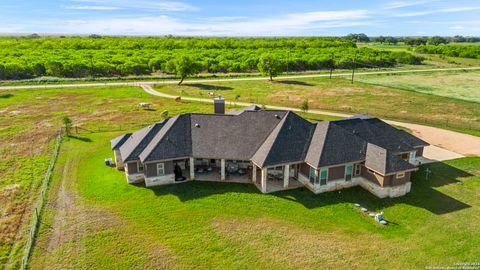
x=247 y=19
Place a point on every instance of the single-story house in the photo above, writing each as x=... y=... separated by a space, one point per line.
x=273 y=149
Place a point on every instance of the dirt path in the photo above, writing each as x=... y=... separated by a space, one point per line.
x=232 y=79
x=446 y=144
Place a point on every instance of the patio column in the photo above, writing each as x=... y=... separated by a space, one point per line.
x=254 y=173
x=222 y=169
x=192 y=169
x=264 y=180
x=286 y=175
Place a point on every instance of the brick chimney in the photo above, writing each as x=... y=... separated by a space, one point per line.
x=219 y=105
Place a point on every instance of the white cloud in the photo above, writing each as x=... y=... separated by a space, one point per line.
x=141 y=4
x=162 y=25
x=92 y=7
x=457 y=27
x=437 y=11
x=403 y=4
x=226 y=18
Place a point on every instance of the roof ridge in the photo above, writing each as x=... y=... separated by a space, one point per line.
x=150 y=147
x=271 y=133
x=150 y=129
x=329 y=125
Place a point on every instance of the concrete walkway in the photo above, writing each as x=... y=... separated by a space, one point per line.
x=445 y=144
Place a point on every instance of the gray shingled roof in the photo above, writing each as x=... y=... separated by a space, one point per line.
x=248 y=108
x=332 y=144
x=383 y=161
x=119 y=141
x=232 y=136
x=135 y=144
x=172 y=141
x=270 y=137
x=374 y=130
x=287 y=143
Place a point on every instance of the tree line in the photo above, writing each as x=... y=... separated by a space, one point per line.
x=76 y=57
x=411 y=41
x=465 y=51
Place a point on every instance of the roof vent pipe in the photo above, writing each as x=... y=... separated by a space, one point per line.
x=219 y=105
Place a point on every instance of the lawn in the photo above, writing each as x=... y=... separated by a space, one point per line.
x=29 y=121
x=458 y=85
x=95 y=220
x=431 y=60
x=338 y=94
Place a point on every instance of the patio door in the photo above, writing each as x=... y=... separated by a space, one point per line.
x=348 y=172
x=412 y=156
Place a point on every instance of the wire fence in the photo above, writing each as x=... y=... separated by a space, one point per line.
x=110 y=128
x=40 y=204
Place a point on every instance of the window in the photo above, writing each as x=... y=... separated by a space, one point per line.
x=413 y=155
x=358 y=169
x=400 y=175
x=140 y=167
x=348 y=172
x=323 y=177
x=311 y=175
x=160 y=169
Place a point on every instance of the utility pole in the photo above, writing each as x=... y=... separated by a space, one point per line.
x=288 y=59
x=332 y=63
x=354 y=64
x=91 y=66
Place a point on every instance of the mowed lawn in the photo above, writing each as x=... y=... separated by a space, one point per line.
x=95 y=220
x=338 y=94
x=459 y=85
x=29 y=122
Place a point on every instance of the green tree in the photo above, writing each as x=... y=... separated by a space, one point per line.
x=67 y=124
x=304 y=106
x=269 y=65
x=437 y=40
x=183 y=66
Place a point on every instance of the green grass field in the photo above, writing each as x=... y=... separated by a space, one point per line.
x=338 y=94
x=458 y=85
x=95 y=220
x=29 y=121
x=431 y=60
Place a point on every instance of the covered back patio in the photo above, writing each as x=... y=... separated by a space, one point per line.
x=211 y=169
x=277 y=178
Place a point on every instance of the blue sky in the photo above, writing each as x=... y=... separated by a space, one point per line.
x=242 y=17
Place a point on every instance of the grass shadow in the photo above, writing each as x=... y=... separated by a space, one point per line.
x=208 y=86
x=83 y=139
x=295 y=82
x=6 y=95
x=422 y=193
x=191 y=190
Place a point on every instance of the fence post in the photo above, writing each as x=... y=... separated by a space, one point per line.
x=40 y=203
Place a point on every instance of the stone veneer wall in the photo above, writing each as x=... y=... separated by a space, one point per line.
x=160 y=180
x=381 y=192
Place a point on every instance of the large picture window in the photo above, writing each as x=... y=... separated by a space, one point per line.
x=311 y=175
x=323 y=177
x=348 y=172
x=160 y=169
